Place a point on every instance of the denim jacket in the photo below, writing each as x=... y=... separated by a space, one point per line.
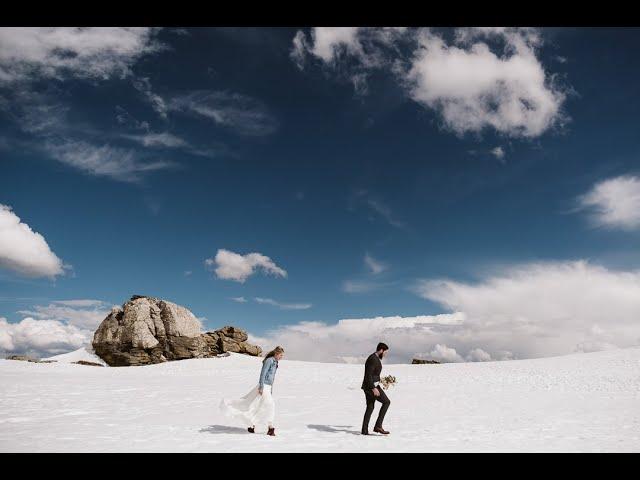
x=268 y=373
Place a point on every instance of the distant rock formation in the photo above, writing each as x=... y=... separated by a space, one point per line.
x=90 y=364
x=23 y=358
x=417 y=361
x=26 y=358
x=149 y=330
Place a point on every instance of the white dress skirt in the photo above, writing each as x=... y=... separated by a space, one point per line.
x=253 y=408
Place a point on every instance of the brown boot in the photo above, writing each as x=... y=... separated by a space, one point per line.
x=272 y=432
x=381 y=430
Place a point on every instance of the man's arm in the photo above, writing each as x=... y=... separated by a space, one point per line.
x=368 y=374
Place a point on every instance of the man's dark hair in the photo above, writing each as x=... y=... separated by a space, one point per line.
x=382 y=346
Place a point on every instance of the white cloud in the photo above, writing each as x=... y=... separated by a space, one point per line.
x=352 y=339
x=41 y=337
x=80 y=303
x=35 y=113
x=83 y=52
x=385 y=212
x=498 y=152
x=105 y=160
x=239 y=299
x=614 y=203
x=478 y=355
x=525 y=311
x=474 y=88
x=327 y=43
x=331 y=44
x=240 y=113
x=374 y=265
x=23 y=250
x=283 y=306
x=444 y=354
x=164 y=139
x=46 y=119
x=377 y=206
x=85 y=314
x=233 y=266
x=361 y=286
x=469 y=82
x=543 y=309
x=143 y=85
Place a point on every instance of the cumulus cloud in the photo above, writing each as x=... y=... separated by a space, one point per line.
x=524 y=311
x=614 y=203
x=368 y=46
x=283 y=306
x=326 y=43
x=478 y=355
x=60 y=327
x=543 y=309
x=444 y=354
x=82 y=52
x=473 y=88
x=84 y=314
x=240 y=113
x=229 y=265
x=483 y=78
x=117 y=163
x=23 y=250
x=352 y=339
x=41 y=338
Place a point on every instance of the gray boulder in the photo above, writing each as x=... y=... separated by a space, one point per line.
x=150 y=330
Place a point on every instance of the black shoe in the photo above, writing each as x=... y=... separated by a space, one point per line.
x=381 y=430
x=365 y=433
x=251 y=430
x=272 y=432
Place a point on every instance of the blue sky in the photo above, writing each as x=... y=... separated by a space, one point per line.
x=139 y=161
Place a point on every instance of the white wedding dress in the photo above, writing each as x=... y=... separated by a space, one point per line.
x=253 y=408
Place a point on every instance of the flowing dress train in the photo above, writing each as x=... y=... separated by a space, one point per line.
x=253 y=408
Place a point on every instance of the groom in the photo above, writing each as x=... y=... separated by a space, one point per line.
x=373 y=391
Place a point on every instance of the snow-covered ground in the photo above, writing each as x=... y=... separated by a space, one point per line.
x=581 y=402
x=81 y=354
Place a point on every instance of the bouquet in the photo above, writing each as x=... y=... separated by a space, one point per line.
x=387 y=381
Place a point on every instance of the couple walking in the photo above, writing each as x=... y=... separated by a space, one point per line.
x=258 y=407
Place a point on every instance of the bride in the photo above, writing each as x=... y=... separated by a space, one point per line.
x=257 y=406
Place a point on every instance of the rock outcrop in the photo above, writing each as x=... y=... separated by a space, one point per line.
x=417 y=361
x=149 y=330
x=25 y=358
x=90 y=364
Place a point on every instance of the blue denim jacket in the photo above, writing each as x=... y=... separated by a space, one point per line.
x=268 y=373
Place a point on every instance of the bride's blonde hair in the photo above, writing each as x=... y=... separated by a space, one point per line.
x=273 y=353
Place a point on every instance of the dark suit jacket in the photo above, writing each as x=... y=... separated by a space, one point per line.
x=372 y=369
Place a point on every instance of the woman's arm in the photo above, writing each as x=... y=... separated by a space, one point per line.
x=263 y=373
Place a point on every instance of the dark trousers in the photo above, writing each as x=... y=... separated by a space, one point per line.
x=371 y=401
